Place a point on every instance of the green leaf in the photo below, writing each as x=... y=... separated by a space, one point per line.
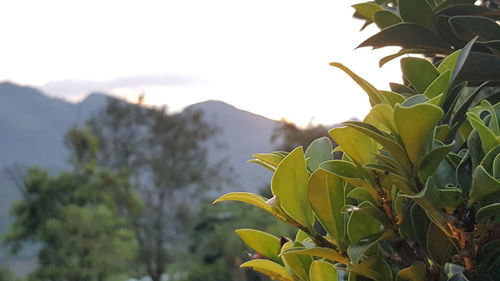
x=480 y=67
x=301 y=236
x=289 y=184
x=471 y=26
x=415 y=125
x=430 y=162
x=401 y=52
x=357 y=145
x=489 y=159
x=439 y=85
x=361 y=194
x=384 y=18
x=416 y=99
x=367 y=10
x=322 y=271
x=385 y=140
x=417 y=11
x=392 y=97
x=246 y=197
x=409 y=36
x=262 y=242
x=439 y=245
x=342 y=168
x=419 y=72
x=319 y=151
x=381 y=116
x=298 y=264
x=375 y=268
x=451 y=198
x=326 y=253
x=268 y=160
x=365 y=228
x=416 y=272
x=463 y=57
x=269 y=268
x=488 y=139
x=483 y=184
x=449 y=62
x=489 y=214
x=370 y=90
x=326 y=196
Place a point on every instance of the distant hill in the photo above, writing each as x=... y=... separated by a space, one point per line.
x=33 y=125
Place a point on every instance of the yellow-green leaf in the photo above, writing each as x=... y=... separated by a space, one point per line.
x=416 y=272
x=246 y=197
x=367 y=10
x=419 y=72
x=415 y=125
x=449 y=62
x=298 y=264
x=270 y=268
x=326 y=253
x=372 y=92
x=326 y=196
x=322 y=271
x=289 y=184
x=261 y=242
x=375 y=268
x=319 y=151
x=439 y=85
x=488 y=139
x=381 y=117
x=357 y=145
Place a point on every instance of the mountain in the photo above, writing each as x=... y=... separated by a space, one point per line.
x=33 y=126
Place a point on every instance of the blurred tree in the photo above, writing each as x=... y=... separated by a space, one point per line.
x=288 y=136
x=215 y=252
x=165 y=156
x=77 y=217
x=6 y=274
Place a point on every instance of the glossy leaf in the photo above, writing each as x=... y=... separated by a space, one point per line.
x=322 y=271
x=246 y=197
x=410 y=36
x=430 y=162
x=489 y=214
x=417 y=11
x=272 y=269
x=326 y=196
x=375 y=268
x=449 y=62
x=472 y=26
x=439 y=85
x=289 y=184
x=367 y=10
x=370 y=90
x=262 y=242
x=356 y=144
x=420 y=72
x=483 y=184
x=298 y=264
x=415 y=125
x=488 y=139
x=319 y=151
x=326 y=253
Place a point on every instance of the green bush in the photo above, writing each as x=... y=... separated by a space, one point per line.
x=416 y=193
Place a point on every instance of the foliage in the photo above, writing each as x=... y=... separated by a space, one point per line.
x=77 y=217
x=416 y=193
x=289 y=136
x=214 y=252
x=165 y=156
x=6 y=274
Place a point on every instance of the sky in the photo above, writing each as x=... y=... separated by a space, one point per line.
x=269 y=57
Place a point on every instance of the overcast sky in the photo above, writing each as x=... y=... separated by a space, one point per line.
x=266 y=56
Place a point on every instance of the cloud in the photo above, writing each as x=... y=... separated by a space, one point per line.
x=75 y=88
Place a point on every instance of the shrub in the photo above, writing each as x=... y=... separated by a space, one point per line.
x=416 y=193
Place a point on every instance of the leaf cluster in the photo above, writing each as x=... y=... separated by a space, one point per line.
x=416 y=193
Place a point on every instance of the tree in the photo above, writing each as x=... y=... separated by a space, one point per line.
x=77 y=217
x=165 y=155
x=416 y=194
x=289 y=136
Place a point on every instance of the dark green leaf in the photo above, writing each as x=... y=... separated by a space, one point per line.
x=417 y=11
x=410 y=36
x=385 y=19
x=472 y=26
